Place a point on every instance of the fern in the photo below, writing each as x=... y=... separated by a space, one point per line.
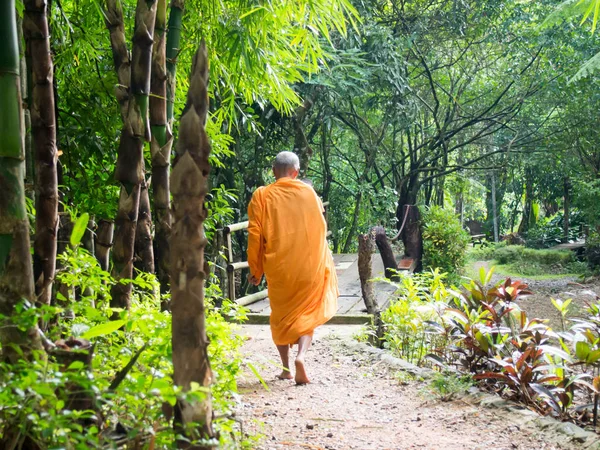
x=574 y=8
x=590 y=66
x=566 y=11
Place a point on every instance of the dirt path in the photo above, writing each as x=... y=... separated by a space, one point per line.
x=355 y=404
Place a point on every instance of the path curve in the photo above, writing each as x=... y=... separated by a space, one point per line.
x=355 y=404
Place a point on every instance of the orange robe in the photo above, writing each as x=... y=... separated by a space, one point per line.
x=287 y=243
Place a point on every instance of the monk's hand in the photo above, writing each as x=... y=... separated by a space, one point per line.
x=253 y=280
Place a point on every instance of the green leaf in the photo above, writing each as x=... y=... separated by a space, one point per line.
x=103 y=329
x=257 y=375
x=582 y=350
x=587 y=69
x=79 y=229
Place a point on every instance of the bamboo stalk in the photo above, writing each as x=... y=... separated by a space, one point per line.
x=160 y=147
x=43 y=126
x=173 y=43
x=189 y=183
x=133 y=99
x=16 y=277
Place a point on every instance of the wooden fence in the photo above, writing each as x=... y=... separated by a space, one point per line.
x=233 y=267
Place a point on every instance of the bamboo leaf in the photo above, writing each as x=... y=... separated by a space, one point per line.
x=79 y=229
x=103 y=329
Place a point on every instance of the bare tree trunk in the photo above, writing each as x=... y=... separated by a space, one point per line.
x=494 y=208
x=386 y=252
x=353 y=227
x=365 y=273
x=189 y=183
x=412 y=237
x=566 y=209
x=43 y=123
x=301 y=145
x=528 y=208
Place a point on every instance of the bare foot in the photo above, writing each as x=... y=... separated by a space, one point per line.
x=301 y=377
x=285 y=375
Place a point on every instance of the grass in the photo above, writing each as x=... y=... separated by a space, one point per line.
x=516 y=260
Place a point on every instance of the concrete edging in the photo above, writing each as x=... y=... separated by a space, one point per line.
x=519 y=414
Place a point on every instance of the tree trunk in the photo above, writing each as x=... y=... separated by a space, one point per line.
x=160 y=147
x=130 y=170
x=16 y=277
x=144 y=251
x=495 y=209
x=412 y=237
x=566 y=209
x=301 y=145
x=354 y=226
x=103 y=243
x=365 y=271
x=189 y=182
x=43 y=126
x=528 y=208
x=386 y=252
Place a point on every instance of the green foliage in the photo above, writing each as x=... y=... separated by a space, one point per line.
x=486 y=251
x=523 y=261
x=483 y=333
x=444 y=240
x=35 y=395
x=445 y=386
x=549 y=231
x=417 y=301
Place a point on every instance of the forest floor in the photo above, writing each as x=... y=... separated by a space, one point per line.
x=356 y=403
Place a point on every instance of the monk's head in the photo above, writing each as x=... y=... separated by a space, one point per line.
x=286 y=164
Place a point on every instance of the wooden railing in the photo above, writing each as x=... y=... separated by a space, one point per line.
x=233 y=267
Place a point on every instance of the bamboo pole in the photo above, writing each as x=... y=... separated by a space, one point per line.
x=16 y=277
x=160 y=147
x=43 y=126
x=189 y=183
x=132 y=94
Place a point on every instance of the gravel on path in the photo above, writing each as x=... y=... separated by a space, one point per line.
x=353 y=403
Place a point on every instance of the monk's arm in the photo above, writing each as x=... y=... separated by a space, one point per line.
x=256 y=245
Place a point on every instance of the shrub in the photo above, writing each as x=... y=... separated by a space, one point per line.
x=444 y=240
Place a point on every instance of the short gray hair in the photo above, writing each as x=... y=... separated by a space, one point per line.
x=286 y=161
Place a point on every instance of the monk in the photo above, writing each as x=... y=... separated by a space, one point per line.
x=287 y=243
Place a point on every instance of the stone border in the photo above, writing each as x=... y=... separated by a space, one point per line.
x=563 y=432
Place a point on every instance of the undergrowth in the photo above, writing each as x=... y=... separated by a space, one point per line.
x=481 y=332
x=46 y=403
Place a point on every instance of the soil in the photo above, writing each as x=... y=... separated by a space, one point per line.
x=353 y=403
x=539 y=304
